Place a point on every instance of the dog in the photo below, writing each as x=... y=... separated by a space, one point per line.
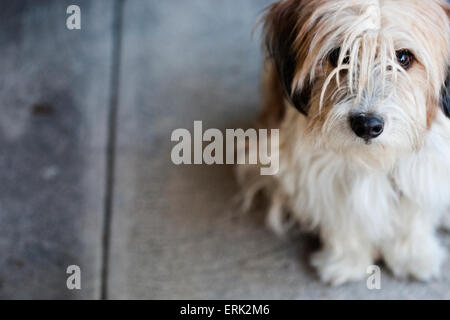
x=359 y=91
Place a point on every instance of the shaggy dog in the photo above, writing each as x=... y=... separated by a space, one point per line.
x=358 y=90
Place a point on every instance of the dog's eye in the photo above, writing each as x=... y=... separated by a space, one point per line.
x=334 y=57
x=405 y=58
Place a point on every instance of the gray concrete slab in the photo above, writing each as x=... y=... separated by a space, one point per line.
x=54 y=99
x=175 y=233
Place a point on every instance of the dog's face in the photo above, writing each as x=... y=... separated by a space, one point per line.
x=368 y=74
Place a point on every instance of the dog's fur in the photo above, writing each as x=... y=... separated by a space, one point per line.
x=367 y=200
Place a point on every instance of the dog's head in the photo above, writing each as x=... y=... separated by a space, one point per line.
x=369 y=75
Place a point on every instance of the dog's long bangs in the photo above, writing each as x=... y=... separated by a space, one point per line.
x=367 y=51
x=354 y=29
x=364 y=57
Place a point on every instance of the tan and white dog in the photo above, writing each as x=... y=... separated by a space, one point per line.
x=358 y=91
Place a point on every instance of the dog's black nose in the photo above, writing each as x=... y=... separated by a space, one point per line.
x=367 y=126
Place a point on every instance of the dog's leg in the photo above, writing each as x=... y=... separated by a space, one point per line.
x=344 y=258
x=415 y=250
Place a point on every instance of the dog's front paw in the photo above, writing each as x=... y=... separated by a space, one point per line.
x=421 y=259
x=337 y=270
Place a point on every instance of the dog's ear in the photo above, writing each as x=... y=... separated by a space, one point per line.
x=280 y=32
x=445 y=95
x=445 y=98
